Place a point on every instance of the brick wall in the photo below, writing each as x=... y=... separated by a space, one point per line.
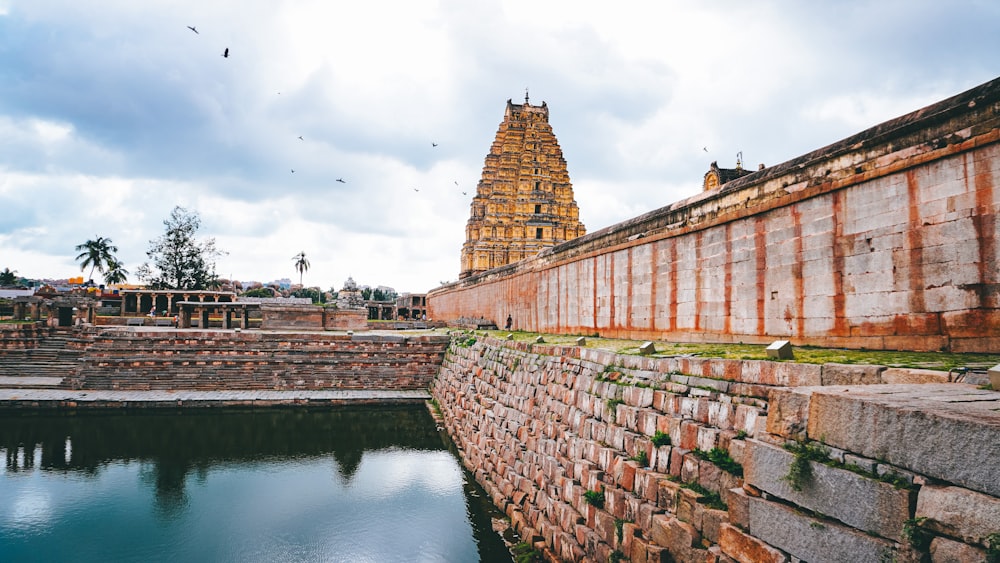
x=885 y=240
x=540 y=426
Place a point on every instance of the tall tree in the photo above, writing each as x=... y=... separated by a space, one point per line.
x=180 y=261
x=116 y=273
x=98 y=254
x=301 y=264
x=8 y=277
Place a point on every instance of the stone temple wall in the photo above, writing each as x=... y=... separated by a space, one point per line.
x=884 y=240
x=908 y=468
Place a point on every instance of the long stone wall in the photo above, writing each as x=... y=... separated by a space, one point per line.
x=138 y=359
x=765 y=461
x=885 y=240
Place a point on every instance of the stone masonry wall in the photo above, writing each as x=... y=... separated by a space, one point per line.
x=885 y=240
x=909 y=469
x=227 y=360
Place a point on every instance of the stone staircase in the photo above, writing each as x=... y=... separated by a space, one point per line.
x=54 y=358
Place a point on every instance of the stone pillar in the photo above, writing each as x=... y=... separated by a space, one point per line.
x=227 y=315
x=185 y=320
x=203 y=321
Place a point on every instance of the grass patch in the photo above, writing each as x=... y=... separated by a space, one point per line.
x=720 y=458
x=524 y=552
x=641 y=458
x=803 y=354
x=594 y=498
x=661 y=439
x=708 y=498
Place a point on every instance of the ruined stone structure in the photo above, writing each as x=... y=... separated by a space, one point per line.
x=885 y=240
x=600 y=457
x=524 y=201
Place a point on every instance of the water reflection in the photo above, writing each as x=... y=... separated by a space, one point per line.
x=372 y=483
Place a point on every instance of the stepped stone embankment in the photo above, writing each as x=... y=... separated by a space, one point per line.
x=903 y=472
x=224 y=360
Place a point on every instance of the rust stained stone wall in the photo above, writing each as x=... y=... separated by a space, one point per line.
x=885 y=240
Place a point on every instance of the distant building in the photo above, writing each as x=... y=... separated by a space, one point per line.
x=524 y=201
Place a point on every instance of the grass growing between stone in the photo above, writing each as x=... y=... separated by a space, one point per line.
x=803 y=354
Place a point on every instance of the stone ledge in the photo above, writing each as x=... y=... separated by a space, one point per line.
x=858 y=501
x=811 y=539
x=956 y=425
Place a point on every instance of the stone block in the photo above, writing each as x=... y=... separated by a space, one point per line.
x=994 y=374
x=647 y=348
x=851 y=374
x=739 y=507
x=858 y=501
x=811 y=539
x=945 y=431
x=747 y=549
x=893 y=376
x=581 y=341
x=959 y=512
x=667 y=495
x=789 y=413
x=944 y=550
x=780 y=350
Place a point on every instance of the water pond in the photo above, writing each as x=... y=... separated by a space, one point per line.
x=352 y=484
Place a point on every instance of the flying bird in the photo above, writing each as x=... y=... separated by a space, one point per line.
x=463 y=193
x=416 y=190
x=341 y=180
x=434 y=144
x=704 y=149
x=293 y=171
x=300 y=138
x=456 y=182
x=191 y=27
x=226 y=53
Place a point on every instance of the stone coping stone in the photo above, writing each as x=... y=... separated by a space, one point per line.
x=812 y=539
x=856 y=500
x=946 y=431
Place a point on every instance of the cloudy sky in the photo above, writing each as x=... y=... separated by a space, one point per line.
x=113 y=112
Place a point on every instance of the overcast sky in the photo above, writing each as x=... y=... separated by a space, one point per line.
x=113 y=112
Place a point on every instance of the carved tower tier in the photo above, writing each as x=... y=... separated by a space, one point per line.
x=524 y=201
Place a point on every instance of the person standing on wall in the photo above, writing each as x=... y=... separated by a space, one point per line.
x=510 y=322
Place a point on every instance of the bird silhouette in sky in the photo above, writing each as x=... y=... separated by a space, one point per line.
x=191 y=27
x=704 y=149
x=341 y=180
x=463 y=193
x=416 y=190
x=226 y=53
x=293 y=171
x=434 y=144
x=300 y=138
x=456 y=182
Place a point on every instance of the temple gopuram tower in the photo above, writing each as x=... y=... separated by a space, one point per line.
x=524 y=201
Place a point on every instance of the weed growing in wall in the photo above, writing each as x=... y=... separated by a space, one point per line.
x=641 y=458
x=993 y=548
x=594 y=498
x=741 y=435
x=914 y=535
x=799 y=471
x=722 y=459
x=524 y=552
x=661 y=439
x=708 y=498
x=619 y=527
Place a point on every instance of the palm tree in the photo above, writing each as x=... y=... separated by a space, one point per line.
x=116 y=273
x=98 y=254
x=8 y=277
x=301 y=264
